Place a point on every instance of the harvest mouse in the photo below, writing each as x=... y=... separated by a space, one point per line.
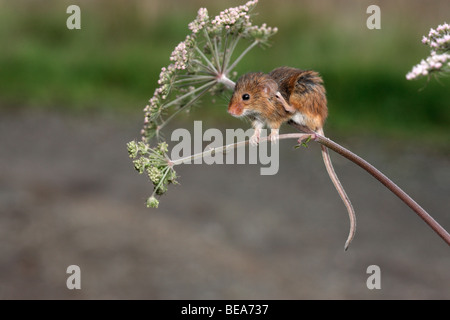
x=282 y=95
x=287 y=94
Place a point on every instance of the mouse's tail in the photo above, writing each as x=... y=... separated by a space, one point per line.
x=340 y=189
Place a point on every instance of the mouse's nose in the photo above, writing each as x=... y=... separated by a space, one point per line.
x=235 y=109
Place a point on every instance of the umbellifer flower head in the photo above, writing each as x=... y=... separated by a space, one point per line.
x=201 y=20
x=152 y=202
x=200 y=64
x=439 y=59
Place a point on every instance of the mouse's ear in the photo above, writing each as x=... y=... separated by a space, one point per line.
x=270 y=87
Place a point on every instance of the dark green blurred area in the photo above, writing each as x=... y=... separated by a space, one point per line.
x=114 y=61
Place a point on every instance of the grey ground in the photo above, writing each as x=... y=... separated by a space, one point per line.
x=69 y=195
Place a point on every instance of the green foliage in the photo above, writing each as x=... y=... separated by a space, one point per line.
x=115 y=60
x=155 y=163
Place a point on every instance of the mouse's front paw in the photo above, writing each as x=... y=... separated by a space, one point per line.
x=254 y=140
x=274 y=136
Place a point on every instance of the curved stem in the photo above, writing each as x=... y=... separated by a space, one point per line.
x=370 y=169
x=386 y=182
x=206 y=69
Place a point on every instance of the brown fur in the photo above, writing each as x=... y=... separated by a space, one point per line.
x=302 y=89
x=262 y=104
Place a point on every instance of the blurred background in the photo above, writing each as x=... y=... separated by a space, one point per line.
x=71 y=99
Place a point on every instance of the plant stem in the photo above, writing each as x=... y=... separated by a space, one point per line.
x=206 y=87
x=175 y=101
x=386 y=182
x=241 y=56
x=166 y=171
x=225 y=50
x=230 y=52
x=235 y=145
x=383 y=179
x=216 y=55
x=226 y=81
x=211 y=47
x=336 y=148
x=211 y=68
x=193 y=79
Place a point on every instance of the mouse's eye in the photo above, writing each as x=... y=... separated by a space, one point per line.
x=245 y=96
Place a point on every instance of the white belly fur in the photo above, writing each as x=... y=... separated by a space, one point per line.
x=298 y=118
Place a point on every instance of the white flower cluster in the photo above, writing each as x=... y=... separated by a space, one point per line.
x=262 y=32
x=201 y=20
x=438 y=39
x=153 y=110
x=180 y=59
x=165 y=79
x=232 y=16
x=435 y=62
x=180 y=56
x=439 y=59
